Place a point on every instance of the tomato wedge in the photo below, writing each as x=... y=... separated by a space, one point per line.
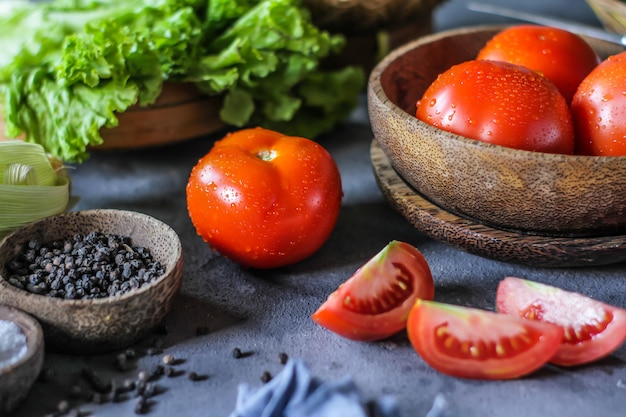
x=375 y=301
x=479 y=344
x=592 y=329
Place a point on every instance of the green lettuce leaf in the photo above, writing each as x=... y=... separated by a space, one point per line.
x=73 y=65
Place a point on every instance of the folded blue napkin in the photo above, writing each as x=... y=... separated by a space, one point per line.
x=294 y=392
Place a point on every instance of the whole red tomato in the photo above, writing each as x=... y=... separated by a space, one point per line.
x=499 y=103
x=599 y=109
x=559 y=55
x=264 y=199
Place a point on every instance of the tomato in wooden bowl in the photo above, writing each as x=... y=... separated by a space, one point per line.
x=526 y=191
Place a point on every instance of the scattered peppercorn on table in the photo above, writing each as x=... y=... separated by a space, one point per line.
x=231 y=325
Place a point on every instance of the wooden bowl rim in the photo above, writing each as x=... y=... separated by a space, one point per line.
x=375 y=86
x=168 y=274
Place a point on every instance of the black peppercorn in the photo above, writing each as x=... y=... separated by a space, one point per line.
x=97 y=398
x=194 y=376
x=152 y=351
x=141 y=405
x=94 y=380
x=238 y=353
x=63 y=406
x=202 y=330
x=266 y=377
x=81 y=267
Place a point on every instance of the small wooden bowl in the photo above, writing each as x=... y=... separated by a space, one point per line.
x=531 y=192
x=101 y=324
x=17 y=379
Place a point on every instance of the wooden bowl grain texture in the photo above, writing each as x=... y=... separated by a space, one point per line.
x=17 y=379
x=181 y=112
x=532 y=192
x=103 y=324
x=478 y=239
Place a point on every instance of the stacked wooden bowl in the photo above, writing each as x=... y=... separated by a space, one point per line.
x=512 y=205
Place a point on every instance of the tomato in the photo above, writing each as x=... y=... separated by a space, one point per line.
x=473 y=343
x=592 y=329
x=499 y=103
x=264 y=199
x=559 y=55
x=375 y=301
x=599 y=109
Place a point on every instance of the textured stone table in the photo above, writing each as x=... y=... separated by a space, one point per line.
x=222 y=307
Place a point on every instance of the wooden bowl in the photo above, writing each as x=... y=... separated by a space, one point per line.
x=99 y=324
x=16 y=379
x=532 y=192
x=180 y=112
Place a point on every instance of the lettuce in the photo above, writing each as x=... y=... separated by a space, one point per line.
x=70 y=66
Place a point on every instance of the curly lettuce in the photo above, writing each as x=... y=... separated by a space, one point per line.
x=71 y=66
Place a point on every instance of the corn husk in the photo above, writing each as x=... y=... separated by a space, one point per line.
x=32 y=185
x=612 y=14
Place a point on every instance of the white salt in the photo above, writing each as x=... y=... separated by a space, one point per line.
x=12 y=343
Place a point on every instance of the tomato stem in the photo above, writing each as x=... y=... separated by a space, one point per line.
x=266 y=154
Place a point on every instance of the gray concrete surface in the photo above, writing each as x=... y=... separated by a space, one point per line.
x=267 y=313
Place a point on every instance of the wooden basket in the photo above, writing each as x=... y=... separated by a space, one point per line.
x=372 y=27
x=612 y=14
x=357 y=16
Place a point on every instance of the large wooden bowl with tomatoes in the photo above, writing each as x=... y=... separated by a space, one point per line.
x=509 y=189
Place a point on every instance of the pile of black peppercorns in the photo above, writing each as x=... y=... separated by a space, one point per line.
x=94 y=265
x=91 y=387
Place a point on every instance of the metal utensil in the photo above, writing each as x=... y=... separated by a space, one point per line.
x=574 y=27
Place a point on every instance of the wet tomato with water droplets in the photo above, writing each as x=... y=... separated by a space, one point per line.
x=264 y=199
x=559 y=55
x=592 y=329
x=499 y=103
x=374 y=302
x=479 y=344
x=599 y=109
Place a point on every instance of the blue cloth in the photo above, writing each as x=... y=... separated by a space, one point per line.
x=294 y=392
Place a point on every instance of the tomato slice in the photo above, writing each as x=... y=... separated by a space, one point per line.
x=472 y=343
x=375 y=301
x=592 y=329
